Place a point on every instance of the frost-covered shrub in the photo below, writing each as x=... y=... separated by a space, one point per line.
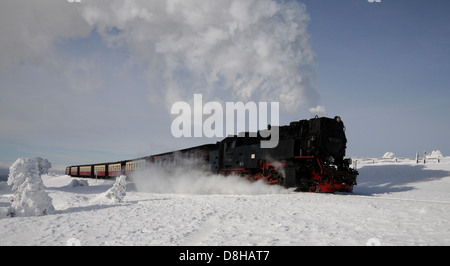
x=118 y=191
x=43 y=165
x=20 y=170
x=29 y=198
x=435 y=155
x=388 y=155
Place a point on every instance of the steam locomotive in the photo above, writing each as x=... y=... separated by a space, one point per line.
x=309 y=156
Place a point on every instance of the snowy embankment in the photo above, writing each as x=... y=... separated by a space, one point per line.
x=394 y=203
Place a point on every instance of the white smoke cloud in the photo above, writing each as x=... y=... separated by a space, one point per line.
x=29 y=30
x=319 y=110
x=251 y=49
x=247 y=49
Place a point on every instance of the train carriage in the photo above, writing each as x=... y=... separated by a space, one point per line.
x=85 y=171
x=74 y=170
x=114 y=169
x=100 y=170
x=132 y=166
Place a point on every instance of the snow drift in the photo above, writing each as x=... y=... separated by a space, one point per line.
x=78 y=183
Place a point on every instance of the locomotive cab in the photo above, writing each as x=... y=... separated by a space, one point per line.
x=318 y=163
x=333 y=141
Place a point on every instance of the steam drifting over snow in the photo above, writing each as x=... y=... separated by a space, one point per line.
x=181 y=180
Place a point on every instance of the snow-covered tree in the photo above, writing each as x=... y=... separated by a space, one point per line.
x=435 y=155
x=29 y=198
x=43 y=165
x=388 y=155
x=118 y=191
x=20 y=170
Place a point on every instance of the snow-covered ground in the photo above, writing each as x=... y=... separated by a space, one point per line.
x=394 y=203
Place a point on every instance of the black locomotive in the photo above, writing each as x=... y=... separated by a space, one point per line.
x=309 y=156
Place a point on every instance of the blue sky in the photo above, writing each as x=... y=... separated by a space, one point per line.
x=84 y=83
x=384 y=67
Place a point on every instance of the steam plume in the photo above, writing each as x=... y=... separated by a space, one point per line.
x=249 y=49
x=234 y=50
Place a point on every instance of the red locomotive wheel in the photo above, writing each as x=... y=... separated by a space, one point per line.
x=258 y=176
